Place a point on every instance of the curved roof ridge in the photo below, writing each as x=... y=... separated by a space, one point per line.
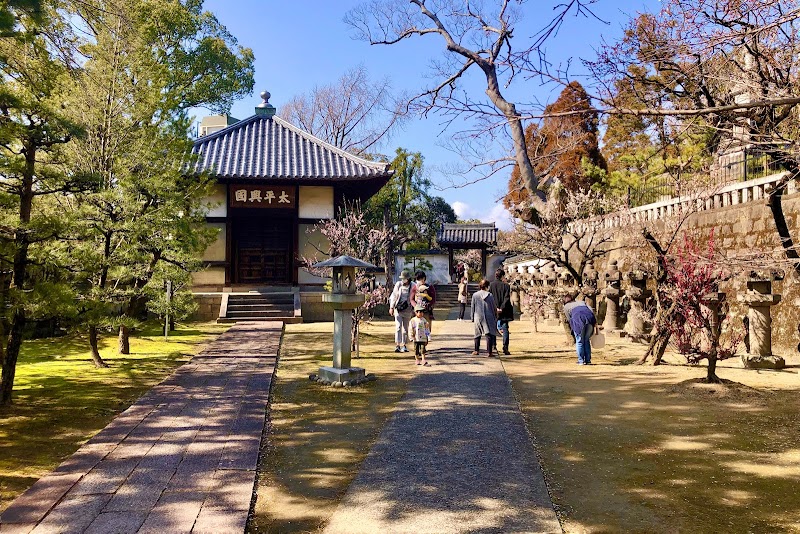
x=332 y=148
x=261 y=147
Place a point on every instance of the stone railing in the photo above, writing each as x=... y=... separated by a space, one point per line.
x=721 y=197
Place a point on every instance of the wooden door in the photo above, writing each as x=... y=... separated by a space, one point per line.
x=263 y=250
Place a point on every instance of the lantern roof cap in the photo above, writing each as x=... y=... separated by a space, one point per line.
x=343 y=261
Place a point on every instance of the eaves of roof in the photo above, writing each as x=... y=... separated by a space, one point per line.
x=269 y=148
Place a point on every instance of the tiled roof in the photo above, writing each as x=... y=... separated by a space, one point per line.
x=472 y=234
x=271 y=148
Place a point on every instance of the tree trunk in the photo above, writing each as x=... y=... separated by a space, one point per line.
x=124 y=340
x=711 y=376
x=656 y=349
x=776 y=207
x=96 y=358
x=389 y=259
x=517 y=130
x=19 y=274
x=11 y=355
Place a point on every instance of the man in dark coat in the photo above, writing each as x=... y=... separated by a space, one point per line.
x=501 y=292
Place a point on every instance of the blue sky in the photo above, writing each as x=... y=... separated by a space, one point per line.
x=304 y=43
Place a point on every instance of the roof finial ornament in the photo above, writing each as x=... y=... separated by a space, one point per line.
x=265 y=109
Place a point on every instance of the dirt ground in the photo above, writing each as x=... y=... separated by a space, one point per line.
x=320 y=435
x=629 y=448
x=625 y=448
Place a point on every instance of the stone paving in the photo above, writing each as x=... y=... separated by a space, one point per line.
x=455 y=456
x=183 y=458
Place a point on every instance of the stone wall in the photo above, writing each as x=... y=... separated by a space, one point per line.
x=741 y=228
x=207 y=306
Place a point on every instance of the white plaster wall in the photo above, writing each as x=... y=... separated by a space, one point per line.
x=316 y=202
x=437 y=275
x=493 y=262
x=309 y=244
x=216 y=201
x=213 y=276
x=216 y=250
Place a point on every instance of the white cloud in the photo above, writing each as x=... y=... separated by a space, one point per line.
x=496 y=214
x=462 y=209
x=500 y=216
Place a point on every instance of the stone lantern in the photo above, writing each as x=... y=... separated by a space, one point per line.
x=589 y=286
x=759 y=299
x=638 y=295
x=343 y=298
x=612 y=292
x=549 y=279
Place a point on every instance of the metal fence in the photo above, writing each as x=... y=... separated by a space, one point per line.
x=751 y=167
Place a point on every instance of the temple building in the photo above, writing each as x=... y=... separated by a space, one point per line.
x=273 y=183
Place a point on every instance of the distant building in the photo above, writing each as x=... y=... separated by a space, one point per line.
x=215 y=123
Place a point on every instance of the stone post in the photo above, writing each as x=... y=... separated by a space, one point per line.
x=516 y=301
x=638 y=294
x=759 y=299
x=612 y=293
x=589 y=286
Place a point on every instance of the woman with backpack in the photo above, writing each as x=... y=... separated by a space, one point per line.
x=402 y=309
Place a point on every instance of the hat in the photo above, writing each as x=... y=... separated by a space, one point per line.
x=419 y=308
x=405 y=274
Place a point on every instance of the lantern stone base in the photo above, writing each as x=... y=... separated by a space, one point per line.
x=336 y=375
x=763 y=362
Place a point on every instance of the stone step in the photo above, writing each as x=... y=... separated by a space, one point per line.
x=261 y=298
x=258 y=313
x=286 y=319
x=260 y=306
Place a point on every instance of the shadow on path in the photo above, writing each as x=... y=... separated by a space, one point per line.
x=183 y=458
x=455 y=457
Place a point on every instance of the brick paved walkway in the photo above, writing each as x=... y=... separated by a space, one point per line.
x=183 y=458
x=455 y=457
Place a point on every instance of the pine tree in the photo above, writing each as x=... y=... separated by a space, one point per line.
x=33 y=131
x=132 y=96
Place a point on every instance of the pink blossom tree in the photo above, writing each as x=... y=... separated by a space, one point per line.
x=697 y=316
x=350 y=233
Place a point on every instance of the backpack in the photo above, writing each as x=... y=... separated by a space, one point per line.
x=402 y=305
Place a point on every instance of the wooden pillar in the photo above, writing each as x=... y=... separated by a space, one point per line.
x=450 y=261
x=228 y=238
x=295 y=239
x=229 y=251
x=483 y=263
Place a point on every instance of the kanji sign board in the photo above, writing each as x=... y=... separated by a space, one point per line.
x=261 y=196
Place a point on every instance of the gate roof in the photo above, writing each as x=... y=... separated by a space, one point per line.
x=467 y=235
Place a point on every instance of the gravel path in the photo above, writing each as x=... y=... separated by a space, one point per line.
x=455 y=457
x=183 y=458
